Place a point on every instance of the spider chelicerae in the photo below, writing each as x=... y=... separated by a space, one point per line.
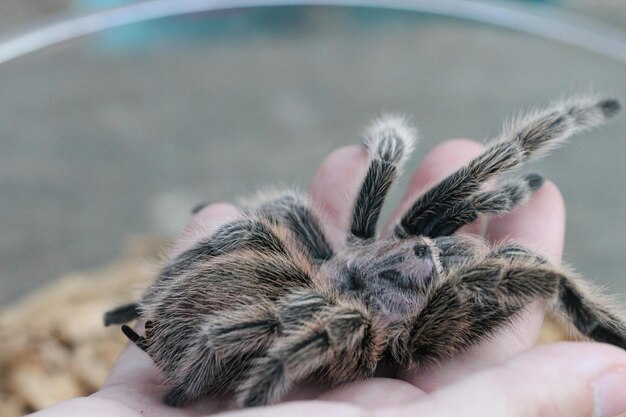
x=266 y=302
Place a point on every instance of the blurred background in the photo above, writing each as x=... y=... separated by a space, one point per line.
x=108 y=140
x=119 y=133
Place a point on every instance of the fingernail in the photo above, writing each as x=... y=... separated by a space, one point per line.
x=610 y=394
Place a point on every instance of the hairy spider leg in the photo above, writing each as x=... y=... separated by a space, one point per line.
x=480 y=297
x=389 y=142
x=503 y=199
x=525 y=138
x=185 y=334
x=219 y=354
x=336 y=344
x=139 y=341
x=295 y=212
x=121 y=314
x=249 y=233
x=269 y=266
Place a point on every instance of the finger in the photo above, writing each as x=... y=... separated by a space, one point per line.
x=442 y=161
x=375 y=393
x=135 y=368
x=203 y=224
x=335 y=186
x=91 y=406
x=538 y=224
x=300 y=409
x=564 y=379
x=137 y=383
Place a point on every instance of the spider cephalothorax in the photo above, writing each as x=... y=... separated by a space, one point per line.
x=266 y=302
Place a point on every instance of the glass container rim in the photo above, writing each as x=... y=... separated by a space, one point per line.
x=542 y=20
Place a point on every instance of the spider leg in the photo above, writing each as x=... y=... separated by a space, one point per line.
x=503 y=199
x=294 y=211
x=250 y=233
x=139 y=341
x=234 y=281
x=481 y=297
x=574 y=302
x=339 y=343
x=254 y=232
x=122 y=314
x=389 y=142
x=526 y=138
x=590 y=316
x=194 y=322
x=219 y=353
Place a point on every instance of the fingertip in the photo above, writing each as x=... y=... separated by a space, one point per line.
x=203 y=224
x=539 y=224
x=336 y=183
x=600 y=356
x=216 y=211
x=550 y=196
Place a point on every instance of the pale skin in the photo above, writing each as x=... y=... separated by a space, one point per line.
x=505 y=376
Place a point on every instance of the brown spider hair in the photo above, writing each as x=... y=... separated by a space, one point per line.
x=266 y=302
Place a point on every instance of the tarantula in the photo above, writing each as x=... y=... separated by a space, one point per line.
x=266 y=302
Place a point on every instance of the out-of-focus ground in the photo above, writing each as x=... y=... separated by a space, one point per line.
x=54 y=345
x=123 y=132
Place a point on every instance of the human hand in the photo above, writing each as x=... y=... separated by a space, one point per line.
x=503 y=376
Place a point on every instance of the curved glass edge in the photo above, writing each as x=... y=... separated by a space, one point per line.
x=539 y=19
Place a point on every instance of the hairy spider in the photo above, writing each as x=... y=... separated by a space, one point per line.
x=266 y=302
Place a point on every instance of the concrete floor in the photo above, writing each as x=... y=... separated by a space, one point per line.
x=121 y=133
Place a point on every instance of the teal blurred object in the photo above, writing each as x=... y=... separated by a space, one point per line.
x=224 y=25
x=233 y=25
x=540 y=20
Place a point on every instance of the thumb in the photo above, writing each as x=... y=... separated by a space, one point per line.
x=564 y=379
